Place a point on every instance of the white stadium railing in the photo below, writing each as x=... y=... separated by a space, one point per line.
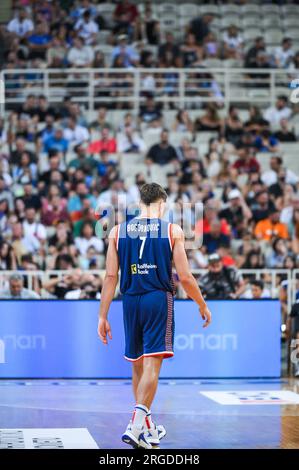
x=272 y=279
x=123 y=88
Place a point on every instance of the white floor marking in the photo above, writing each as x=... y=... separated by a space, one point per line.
x=254 y=397
x=47 y=438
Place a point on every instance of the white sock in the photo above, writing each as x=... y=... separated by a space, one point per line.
x=148 y=420
x=139 y=415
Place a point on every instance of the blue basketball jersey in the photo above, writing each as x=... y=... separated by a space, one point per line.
x=145 y=256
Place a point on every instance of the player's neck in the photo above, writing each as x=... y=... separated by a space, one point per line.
x=150 y=214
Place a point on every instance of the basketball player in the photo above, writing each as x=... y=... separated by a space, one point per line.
x=144 y=249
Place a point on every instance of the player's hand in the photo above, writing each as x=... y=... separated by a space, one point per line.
x=205 y=315
x=104 y=330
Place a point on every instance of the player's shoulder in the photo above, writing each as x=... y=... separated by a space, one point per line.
x=177 y=232
x=114 y=231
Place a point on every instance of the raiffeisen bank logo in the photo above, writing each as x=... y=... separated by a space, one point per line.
x=294 y=85
x=2 y=352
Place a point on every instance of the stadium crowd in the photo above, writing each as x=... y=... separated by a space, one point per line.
x=47 y=209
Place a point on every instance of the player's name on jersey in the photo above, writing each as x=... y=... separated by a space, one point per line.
x=143 y=228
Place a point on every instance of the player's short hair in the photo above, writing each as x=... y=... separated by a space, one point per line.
x=152 y=192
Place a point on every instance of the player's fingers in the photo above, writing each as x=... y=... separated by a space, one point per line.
x=109 y=334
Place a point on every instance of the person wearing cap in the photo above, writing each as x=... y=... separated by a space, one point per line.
x=128 y=53
x=271 y=227
x=237 y=214
x=221 y=282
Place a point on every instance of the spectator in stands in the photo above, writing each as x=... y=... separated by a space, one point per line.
x=89 y=288
x=21 y=26
x=16 y=289
x=221 y=282
x=106 y=143
x=101 y=121
x=284 y=54
x=211 y=46
x=210 y=121
x=215 y=239
x=127 y=53
x=237 y=214
x=192 y=53
x=74 y=133
x=182 y=122
x=270 y=227
x=246 y=163
x=130 y=142
x=169 y=51
x=80 y=55
x=6 y=194
x=254 y=259
x=116 y=196
x=233 y=126
x=261 y=205
x=150 y=112
x=39 y=42
x=270 y=176
x=7 y=256
x=256 y=123
x=56 y=142
x=32 y=227
x=266 y=142
x=125 y=16
x=23 y=244
x=294 y=66
x=232 y=43
x=87 y=239
x=54 y=210
x=87 y=28
x=280 y=111
x=56 y=53
x=163 y=152
x=60 y=286
x=78 y=200
x=279 y=251
x=251 y=60
x=200 y=27
x=257 y=291
x=284 y=134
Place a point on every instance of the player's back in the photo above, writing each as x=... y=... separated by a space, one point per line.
x=145 y=256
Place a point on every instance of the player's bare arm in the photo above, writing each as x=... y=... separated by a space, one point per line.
x=186 y=278
x=109 y=286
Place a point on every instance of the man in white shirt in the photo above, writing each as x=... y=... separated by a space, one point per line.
x=284 y=53
x=271 y=176
x=87 y=28
x=80 y=55
x=21 y=26
x=130 y=141
x=116 y=196
x=88 y=239
x=31 y=227
x=75 y=133
x=280 y=111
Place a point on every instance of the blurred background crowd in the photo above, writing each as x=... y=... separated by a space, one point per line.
x=58 y=166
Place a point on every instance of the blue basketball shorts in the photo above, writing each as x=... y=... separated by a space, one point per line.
x=148 y=324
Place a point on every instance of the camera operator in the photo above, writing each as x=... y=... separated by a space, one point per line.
x=221 y=282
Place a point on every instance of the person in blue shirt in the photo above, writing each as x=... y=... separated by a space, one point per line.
x=266 y=142
x=39 y=41
x=56 y=142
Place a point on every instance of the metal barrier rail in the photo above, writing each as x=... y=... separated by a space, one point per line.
x=273 y=278
x=123 y=88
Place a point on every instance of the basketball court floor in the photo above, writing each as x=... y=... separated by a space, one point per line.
x=198 y=414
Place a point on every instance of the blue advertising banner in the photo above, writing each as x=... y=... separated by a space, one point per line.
x=50 y=339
